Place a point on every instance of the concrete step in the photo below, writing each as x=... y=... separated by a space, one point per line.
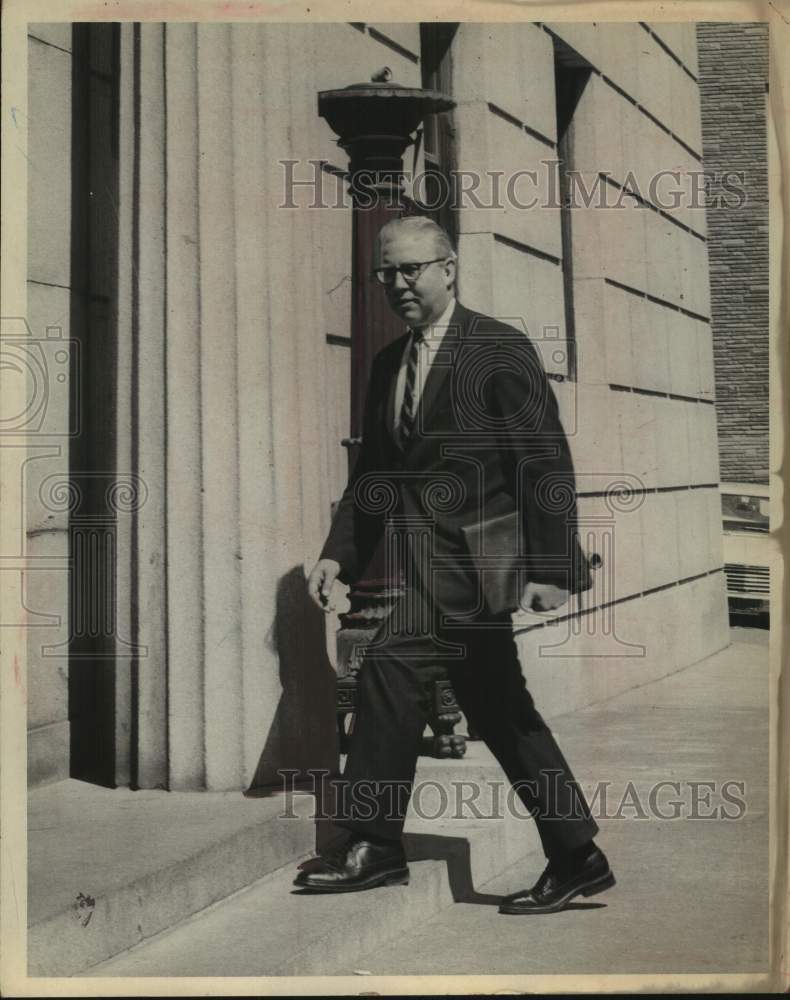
x=109 y=868
x=272 y=929
x=178 y=887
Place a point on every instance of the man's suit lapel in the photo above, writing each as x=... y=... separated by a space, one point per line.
x=442 y=367
x=437 y=376
x=389 y=408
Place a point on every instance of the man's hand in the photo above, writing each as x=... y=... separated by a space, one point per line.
x=321 y=581
x=543 y=597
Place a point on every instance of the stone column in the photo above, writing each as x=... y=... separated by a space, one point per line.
x=220 y=322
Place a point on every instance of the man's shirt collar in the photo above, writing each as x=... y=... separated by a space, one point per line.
x=437 y=330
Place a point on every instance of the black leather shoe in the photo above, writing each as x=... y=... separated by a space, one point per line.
x=556 y=887
x=357 y=864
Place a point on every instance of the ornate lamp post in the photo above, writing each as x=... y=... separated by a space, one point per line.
x=375 y=123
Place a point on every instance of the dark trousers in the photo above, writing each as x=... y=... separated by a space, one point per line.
x=393 y=700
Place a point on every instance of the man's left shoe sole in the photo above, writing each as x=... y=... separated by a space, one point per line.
x=399 y=877
x=601 y=884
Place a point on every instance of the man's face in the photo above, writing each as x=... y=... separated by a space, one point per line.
x=423 y=301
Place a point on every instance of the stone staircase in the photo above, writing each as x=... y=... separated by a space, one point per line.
x=198 y=884
x=109 y=868
x=150 y=883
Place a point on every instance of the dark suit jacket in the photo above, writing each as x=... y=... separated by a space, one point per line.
x=487 y=440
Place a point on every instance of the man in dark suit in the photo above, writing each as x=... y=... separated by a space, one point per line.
x=461 y=429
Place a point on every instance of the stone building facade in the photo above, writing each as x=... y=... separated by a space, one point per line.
x=733 y=74
x=209 y=381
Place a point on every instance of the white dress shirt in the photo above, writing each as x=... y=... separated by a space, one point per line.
x=426 y=353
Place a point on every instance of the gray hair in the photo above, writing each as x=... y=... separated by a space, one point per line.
x=419 y=224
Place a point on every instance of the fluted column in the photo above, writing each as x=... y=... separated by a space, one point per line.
x=219 y=409
x=255 y=363
x=283 y=438
x=184 y=453
x=141 y=708
x=224 y=409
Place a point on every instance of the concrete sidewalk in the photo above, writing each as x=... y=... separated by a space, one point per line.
x=692 y=892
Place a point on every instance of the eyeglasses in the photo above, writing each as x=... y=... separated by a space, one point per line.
x=410 y=272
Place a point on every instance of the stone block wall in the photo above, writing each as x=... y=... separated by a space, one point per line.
x=639 y=408
x=232 y=372
x=49 y=292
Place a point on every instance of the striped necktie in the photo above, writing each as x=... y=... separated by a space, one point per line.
x=408 y=410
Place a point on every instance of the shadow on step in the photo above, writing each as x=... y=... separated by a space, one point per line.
x=455 y=851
